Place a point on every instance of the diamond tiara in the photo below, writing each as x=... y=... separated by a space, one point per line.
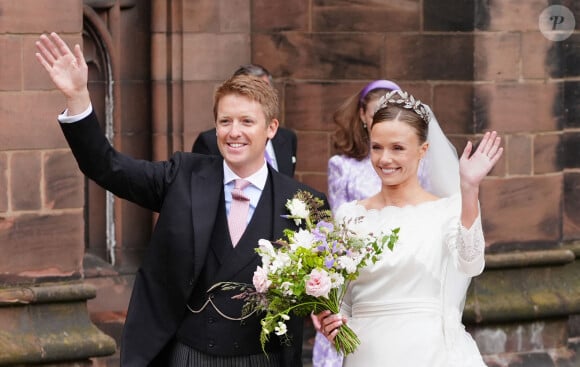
x=404 y=100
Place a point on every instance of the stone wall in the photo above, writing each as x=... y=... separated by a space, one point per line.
x=481 y=65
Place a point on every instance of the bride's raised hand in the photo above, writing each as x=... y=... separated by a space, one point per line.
x=67 y=69
x=474 y=167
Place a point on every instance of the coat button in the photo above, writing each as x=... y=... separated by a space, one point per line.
x=236 y=345
x=211 y=344
x=190 y=282
x=211 y=320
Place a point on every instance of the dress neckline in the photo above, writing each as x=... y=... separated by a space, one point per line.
x=427 y=203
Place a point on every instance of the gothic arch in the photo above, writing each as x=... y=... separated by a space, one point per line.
x=98 y=49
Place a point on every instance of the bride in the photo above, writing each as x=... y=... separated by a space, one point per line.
x=407 y=308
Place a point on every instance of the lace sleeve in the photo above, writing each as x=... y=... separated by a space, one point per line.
x=467 y=247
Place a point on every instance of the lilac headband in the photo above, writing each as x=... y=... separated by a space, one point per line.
x=383 y=84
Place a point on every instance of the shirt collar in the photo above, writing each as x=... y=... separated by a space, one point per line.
x=258 y=178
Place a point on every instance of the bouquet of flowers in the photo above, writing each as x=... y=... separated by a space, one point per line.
x=309 y=270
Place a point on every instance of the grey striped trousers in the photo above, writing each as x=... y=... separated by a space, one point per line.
x=185 y=356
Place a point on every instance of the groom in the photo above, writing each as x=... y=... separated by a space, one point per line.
x=175 y=317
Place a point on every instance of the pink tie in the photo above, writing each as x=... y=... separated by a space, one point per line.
x=238 y=217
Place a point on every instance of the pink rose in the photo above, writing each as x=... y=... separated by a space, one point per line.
x=318 y=283
x=260 y=280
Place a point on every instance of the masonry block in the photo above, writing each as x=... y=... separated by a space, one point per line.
x=25 y=178
x=133 y=57
x=497 y=57
x=63 y=182
x=538 y=60
x=38 y=127
x=448 y=16
x=275 y=16
x=571 y=202
x=10 y=67
x=571 y=142
x=321 y=55
x=519 y=154
x=3 y=183
x=516 y=107
x=313 y=144
x=159 y=21
x=160 y=70
x=365 y=16
x=200 y=16
x=235 y=16
x=310 y=106
x=548 y=153
x=29 y=16
x=135 y=113
x=506 y=15
x=453 y=107
x=522 y=213
x=422 y=90
x=198 y=106
x=41 y=246
x=420 y=56
x=213 y=56
x=160 y=106
x=160 y=145
x=570 y=98
x=568 y=54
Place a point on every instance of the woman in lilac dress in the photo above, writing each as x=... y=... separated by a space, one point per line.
x=350 y=174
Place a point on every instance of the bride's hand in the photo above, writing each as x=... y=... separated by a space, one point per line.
x=474 y=167
x=328 y=323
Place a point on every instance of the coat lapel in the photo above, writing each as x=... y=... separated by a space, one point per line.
x=206 y=188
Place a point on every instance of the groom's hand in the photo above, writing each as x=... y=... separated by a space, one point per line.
x=67 y=70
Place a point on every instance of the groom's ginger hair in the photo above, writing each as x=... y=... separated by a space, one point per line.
x=254 y=88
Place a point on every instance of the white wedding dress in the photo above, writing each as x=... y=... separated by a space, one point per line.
x=406 y=309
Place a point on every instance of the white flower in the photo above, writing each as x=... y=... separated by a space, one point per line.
x=298 y=210
x=336 y=279
x=348 y=263
x=281 y=261
x=266 y=247
x=302 y=238
x=281 y=329
x=286 y=288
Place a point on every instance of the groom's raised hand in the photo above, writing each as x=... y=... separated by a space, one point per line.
x=67 y=70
